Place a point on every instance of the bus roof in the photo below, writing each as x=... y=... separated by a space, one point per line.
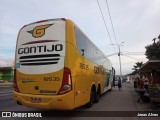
x=63 y=19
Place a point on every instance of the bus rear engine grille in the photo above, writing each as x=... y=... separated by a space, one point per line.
x=33 y=60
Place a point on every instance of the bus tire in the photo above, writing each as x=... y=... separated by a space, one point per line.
x=97 y=95
x=91 y=101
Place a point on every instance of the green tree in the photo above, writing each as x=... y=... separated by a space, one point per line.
x=137 y=66
x=153 y=51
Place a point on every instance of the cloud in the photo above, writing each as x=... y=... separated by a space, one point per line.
x=5 y=61
x=135 y=22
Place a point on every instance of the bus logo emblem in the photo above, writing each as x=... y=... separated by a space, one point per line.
x=39 y=31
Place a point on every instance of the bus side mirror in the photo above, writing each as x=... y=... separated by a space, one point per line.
x=82 y=52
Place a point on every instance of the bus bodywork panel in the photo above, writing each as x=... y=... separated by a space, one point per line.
x=40 y=57
x=40 y=62
x=62 y=102
x=44 y=81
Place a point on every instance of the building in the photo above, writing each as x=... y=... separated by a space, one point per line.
x=6 y=73
x=151 y=70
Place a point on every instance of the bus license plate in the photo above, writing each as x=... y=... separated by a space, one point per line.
x=36 y=100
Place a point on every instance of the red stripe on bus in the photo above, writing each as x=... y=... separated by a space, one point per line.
x=41 y=41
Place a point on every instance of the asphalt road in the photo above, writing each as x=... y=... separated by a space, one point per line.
x=6 y=97
x=115 y=100
x=4 y=85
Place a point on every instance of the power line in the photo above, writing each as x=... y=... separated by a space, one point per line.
x=131 y=57
x=111 y=55
x=111 y=23
x=134 y=53
x=106 y=25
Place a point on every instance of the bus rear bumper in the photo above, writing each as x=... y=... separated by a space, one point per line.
x=61 y=102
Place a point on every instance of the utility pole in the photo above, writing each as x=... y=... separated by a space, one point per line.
x=119 y=54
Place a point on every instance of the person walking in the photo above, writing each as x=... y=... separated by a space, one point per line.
x=119 y=84
x=138 y=82
x=135 y=83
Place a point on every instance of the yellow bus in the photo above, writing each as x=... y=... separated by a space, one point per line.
x=58 y=67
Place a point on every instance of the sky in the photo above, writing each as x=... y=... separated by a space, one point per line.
x=136 y=23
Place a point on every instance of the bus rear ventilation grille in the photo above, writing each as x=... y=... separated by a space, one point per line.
x=45 y=59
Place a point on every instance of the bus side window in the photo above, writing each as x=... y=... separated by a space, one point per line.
x=81 y=41
x=98 y=56
x=90 y=50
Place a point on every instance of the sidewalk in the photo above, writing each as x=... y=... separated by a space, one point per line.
x=121 y=100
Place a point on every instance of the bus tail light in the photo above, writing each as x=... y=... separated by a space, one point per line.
x=66 y=82
x=15 y=82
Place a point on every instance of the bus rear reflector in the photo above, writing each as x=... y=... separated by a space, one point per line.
x=15 y=82
x=63 y=19
x=66 y=82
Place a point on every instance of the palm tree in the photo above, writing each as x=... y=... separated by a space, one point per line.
x=137 y=66
x=154 y=40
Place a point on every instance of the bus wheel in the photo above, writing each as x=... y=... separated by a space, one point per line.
x=97 y=95
x=92 y=94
